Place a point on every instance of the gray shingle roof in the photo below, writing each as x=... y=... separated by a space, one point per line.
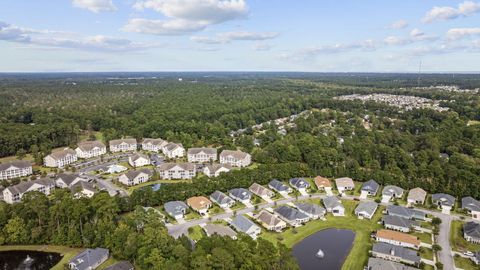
x=22 y=187
x=62 y=153
x=89 y=145
x=156 y=142
x=299 y=183
x=208 y=151
x=278 y=186
x=83 y=186
x=398 y=251
x=366 y=206
x=310 y=208
x=220 y=197
x=381 y=264
x=417 y=194
x=235 y=154
x=221 y=230
x=290 y=213
x=175 y=208
x=391 y=190
x=443 y=199
x=241 y=193
x=370 y=186
x=184 y=166
x=16 y=163
x=332 y=202
x=132 y=174
x=471 y=204
x=243 y=224
x=398 y=221
x=213 y=168
x=120 y=141
x=68 y=178
x=472 y=229
x=397 y=210
x=89 y=258
x=173 y=146
x=136 y=156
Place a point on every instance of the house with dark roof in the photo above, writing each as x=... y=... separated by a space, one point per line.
x=176 y=209
x=13 y=194
x=472 y=206
x=366 y=209
x=65 y=180
x=279 y=187
x=299 y=184
x=408 y=213
x=291 y=215
x=122 y=265
x=240 y=194
x=369 y=188
x=222 y=199
x=382 y=264
x=444 y=202
x=395 y=253
x=245 y=225
x=471 y=232
x=313 y=211
x=334 y=205
x=391 y=192
x=89 y=259
x=399 y=223
x=136 y=177
x=15 y=169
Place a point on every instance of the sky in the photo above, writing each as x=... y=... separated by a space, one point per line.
x=239 y=35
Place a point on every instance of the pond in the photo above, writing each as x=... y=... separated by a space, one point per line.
x=28 y=260
x=335 y=244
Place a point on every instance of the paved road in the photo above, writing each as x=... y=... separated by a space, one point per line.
x=110 y=187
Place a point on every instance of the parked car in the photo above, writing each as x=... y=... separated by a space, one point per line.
x=468 y=253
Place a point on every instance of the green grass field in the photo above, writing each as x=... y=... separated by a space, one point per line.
x=196 y=233
x=457 y=241
x=359 y=254
x=465 y=263
x=424 y=237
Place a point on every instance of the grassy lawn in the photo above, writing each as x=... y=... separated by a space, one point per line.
x=196 y=233
x=257 y=200
x=237 y=206
x=98 y=136
x=464 y=263
x=426 y=253
x=215 y=210
x=457 y=241
x=192 y=215
x=107 y=263
x=132 y=188
x=66 y=252
x=358 y=256
x=28 y=157
x=428 y=267
x=424 y=237
x=426 y=225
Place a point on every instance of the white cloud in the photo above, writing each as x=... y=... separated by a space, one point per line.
x=416 y=35
x=400 y=24
x=228 y=37
x=262 y=47
x=448 y=13
x=95 y=5
x=186 y=16
x=457 y=33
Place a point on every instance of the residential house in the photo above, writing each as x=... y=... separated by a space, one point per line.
x=323 y=183
x=471 y=232
x=60 y=159
x=89 y=149
x=270 y=222
x=138 y=160
x=369 y=188
x=397 y=238
x=153 y=145
x=279 y=187
x=13 y=194
x=177 y=170
x=291 y=215
x=245 y=225
x=123 y=145
x=67 y=180
x=15 y=169
x=122 y=265
x=472 y=206
x=173 y=150
x=211 y=229
x=395 y=253
x=399 y=223
x=334 y=205
x=366 y=209
x=176 y=209
x=443 y=201
x=344 y=184
x=401 y=211
x=381 y=264
x=200 y=204
x=240 y=194
x=202 y=155
x=313 y=211
x=89 y=259
x=222 y=199
x=416 y=196
x=391 y=192
x=261 y=191
x=299 y=184
x=215 y=170
x=136 y=177
x=83 y=189
x=235 y=158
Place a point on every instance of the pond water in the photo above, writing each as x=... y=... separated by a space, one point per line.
x=28 y=260
x=335 y=244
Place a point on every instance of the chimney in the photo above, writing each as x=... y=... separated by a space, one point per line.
x=392 y=252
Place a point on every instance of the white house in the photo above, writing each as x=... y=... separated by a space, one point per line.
x=13 y=194
x=138 y=160
x=83 y=190
x=177 y=170
x=202 y=155
x=391 y=192
x=173 y=150
x=60 y=159
x=153 y=145
x=67 y=180
x=472 y=206
x=123 y=145
x=132 y=178
x=90 y=149
x=344 y=184
x=15 y=169
x=235 y=158
x=215 y=170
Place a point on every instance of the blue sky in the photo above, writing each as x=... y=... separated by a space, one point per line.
x=239 y=35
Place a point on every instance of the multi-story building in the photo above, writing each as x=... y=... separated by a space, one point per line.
x=60 y=159
x=202 y=155
x=123 y=145
x=235 y=158
x=177 y=170
x=15 y=193
x=90 y=149
x=15 y=169
x=153 y=145
x=173 y=150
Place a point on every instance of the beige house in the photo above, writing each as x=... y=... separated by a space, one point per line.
x=138 y=160
x=13 y=194
x=60 y=159
x=416 y=196
x=202 y=155
x=344 y=184
x=261 y=191
x=15 y=169
x=90 y=149
x=215 y=170
x=123 y=145
x=173 y=150
x=132 y=178
x=270 y=221
x=235 y=158
x=177 y=170
x=153 y=145
x=200 y=204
